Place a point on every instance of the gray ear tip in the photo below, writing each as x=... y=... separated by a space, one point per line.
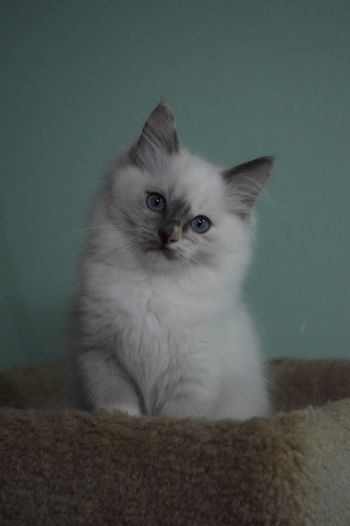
x=270 y=159
x=164 y=109
x=267 y=160
x=165 y=105
x=260 y=164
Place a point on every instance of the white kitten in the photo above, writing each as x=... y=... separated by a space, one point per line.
x=158 y=324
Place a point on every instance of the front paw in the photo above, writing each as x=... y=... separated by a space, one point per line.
x=127 y=409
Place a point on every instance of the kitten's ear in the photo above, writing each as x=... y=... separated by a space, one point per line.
x=158 y=135
x=246 y=181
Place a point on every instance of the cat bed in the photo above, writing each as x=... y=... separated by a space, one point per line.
x=68 y=467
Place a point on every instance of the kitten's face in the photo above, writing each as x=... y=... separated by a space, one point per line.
x=176 y=214
x=172 y=208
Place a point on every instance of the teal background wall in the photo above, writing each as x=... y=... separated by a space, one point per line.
x=245 y=78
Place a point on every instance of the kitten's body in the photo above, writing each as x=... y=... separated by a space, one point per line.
x=160 y=328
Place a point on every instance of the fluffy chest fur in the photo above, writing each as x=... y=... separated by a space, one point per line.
x=163 y=331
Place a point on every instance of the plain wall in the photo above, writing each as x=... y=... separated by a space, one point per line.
x=245 y=78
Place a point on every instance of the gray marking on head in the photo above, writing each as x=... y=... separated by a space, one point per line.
x=177 y=210
x=148 y=231
x=246 y=182
x=158 y=136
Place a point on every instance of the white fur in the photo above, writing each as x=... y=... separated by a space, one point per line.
x=179 y=330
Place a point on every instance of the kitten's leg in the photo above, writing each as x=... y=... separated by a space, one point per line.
x=105 y=384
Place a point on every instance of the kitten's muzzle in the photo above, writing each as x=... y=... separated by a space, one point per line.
x=169 y=233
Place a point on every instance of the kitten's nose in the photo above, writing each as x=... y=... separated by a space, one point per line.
x=169 y=233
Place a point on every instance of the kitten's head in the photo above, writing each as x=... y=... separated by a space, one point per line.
x=170 y=208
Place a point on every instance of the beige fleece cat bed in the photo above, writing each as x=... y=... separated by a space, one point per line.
x=67 y=468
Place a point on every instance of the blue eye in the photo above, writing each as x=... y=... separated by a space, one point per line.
x=200 y=224
x=155 y=202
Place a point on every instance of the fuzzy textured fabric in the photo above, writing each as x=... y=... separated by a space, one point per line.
x=69 y=468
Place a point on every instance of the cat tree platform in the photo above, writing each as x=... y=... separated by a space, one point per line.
x=75 y=468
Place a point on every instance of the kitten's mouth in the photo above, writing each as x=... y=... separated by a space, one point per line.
x=168 y=252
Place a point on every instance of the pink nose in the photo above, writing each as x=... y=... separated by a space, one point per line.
x=166 y=238
x=168 y=234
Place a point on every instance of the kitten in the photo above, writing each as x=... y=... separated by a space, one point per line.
x=159 y=327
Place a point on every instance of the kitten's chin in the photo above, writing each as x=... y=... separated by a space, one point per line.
x=160 y=258
x=162 y=253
